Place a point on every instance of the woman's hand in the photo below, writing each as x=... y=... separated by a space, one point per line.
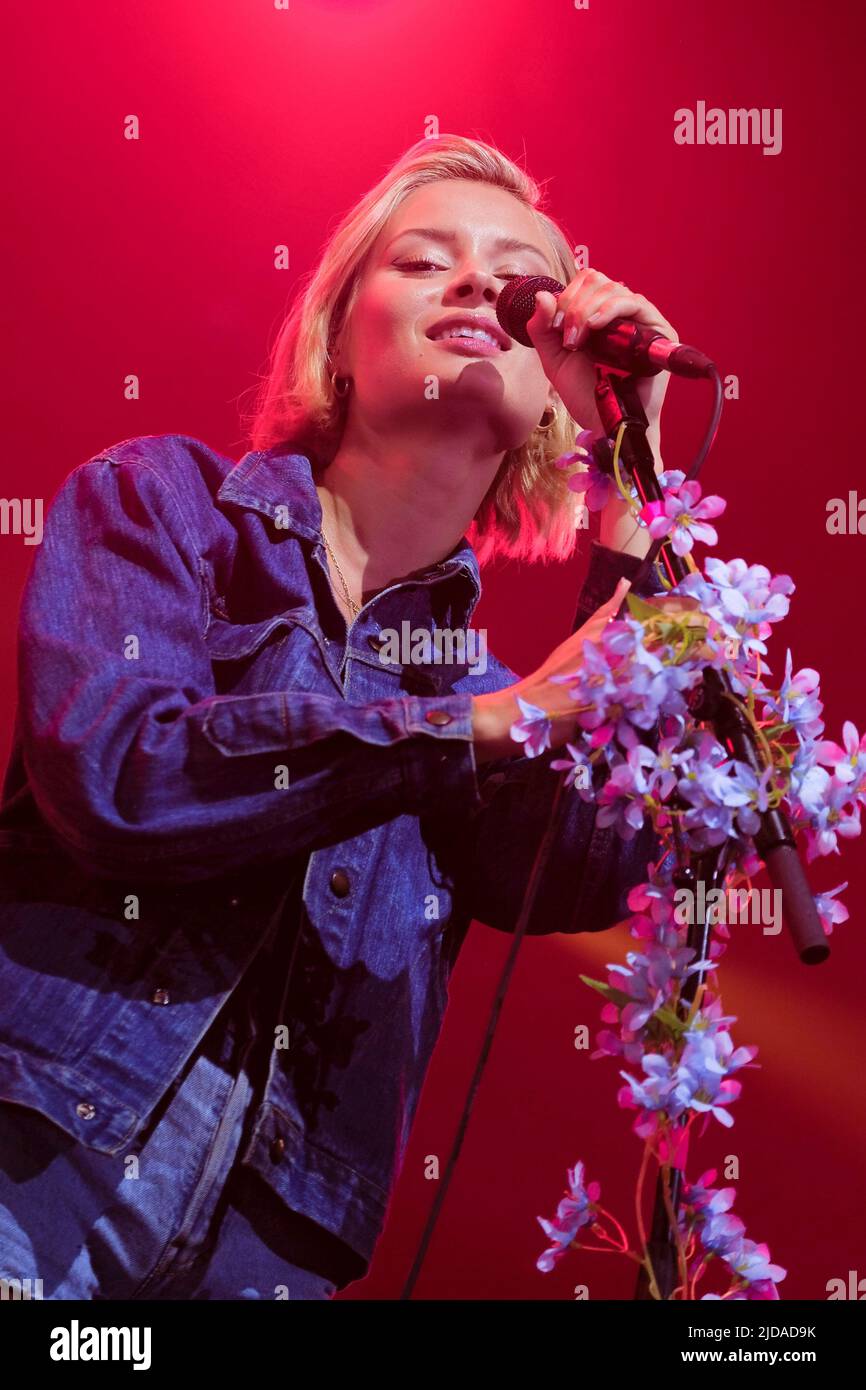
x=493 y=714
x=587 y=303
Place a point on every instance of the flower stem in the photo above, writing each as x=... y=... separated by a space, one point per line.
x=646 y=1261
x=675 y=1225
x=623 y=1242
x=696 y=1276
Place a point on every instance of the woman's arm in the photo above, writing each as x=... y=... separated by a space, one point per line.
x=137 y=765
x=591 y=868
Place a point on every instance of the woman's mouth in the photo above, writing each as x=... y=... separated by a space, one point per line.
x=469 y=345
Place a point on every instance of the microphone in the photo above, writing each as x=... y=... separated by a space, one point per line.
x=623 y=343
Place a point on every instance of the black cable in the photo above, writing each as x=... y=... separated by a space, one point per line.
x=706 y=444
x=538 y=866
x=712 y=428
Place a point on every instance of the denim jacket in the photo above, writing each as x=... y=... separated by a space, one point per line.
x=196 y=729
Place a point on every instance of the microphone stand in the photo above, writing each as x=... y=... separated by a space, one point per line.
x=715 y=703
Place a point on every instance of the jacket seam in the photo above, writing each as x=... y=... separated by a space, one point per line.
x=191 y=547
x=376 y=1192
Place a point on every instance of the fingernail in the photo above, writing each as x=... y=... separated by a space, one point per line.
x=597 y=315
x=570 y=338
x=558 y=317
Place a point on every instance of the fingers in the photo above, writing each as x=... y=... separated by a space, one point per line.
x=616 y=598
x=608 y=610
x=606 y=613
x=595 y=625
x=614 y=302
x=573 y=304
x=548 y=302
x=591 y=300
x=566 y=658
x=545 y=337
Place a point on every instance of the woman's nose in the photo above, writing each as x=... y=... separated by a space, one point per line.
x=477 y=282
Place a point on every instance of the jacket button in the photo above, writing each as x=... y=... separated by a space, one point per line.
x=85 y=1111
x=339 y=883
x=234 y=902
x=277 y=1149
x=437 y=716
x=160 y=996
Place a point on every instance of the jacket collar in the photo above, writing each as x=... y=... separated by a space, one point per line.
x=280 y=485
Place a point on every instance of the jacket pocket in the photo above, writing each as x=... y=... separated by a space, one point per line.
x=233 y=641
x=59 y=963
x=275 y=654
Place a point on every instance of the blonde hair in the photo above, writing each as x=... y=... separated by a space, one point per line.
x=528 y=511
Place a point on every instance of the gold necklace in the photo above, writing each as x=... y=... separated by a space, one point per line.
x=350 y=601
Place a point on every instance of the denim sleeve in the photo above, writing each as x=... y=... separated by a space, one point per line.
x=134 y=761
x=590 y=869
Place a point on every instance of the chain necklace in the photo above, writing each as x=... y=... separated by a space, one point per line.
x=349 y=600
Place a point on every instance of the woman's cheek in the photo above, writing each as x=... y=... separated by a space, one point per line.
x=528 y=382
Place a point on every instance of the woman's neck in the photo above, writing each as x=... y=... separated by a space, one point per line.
x=390 y=512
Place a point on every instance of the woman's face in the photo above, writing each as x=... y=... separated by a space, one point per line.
x=405 y=379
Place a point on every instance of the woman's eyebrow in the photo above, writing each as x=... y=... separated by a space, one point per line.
x=502 y=243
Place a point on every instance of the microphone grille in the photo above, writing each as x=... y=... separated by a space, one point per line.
x=516 y=304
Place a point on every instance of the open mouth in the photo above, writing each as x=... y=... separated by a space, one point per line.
x=475 y=343
x=480 y=337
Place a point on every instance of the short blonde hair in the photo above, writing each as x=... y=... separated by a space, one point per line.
x=528 y=511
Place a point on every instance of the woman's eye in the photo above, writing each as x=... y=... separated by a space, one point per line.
x=417 y=262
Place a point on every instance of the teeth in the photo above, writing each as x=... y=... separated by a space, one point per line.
x=466 y=332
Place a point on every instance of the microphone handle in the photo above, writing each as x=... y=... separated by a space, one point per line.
x=640 y=351
x=622 y=344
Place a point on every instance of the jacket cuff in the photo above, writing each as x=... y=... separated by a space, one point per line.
x=439 y=766
x=606 y=568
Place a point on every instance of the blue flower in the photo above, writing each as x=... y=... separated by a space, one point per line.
x=751 y=1262
x=533 y=729
x=758 y=789
x=740 y=597
x=829 y=911
x=574 y=1212
x=797 y=702
x=684 y=516
x=621 y=799
x=578 y=769
x=848 y=763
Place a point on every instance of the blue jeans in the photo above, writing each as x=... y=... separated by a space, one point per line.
x=175 y=1219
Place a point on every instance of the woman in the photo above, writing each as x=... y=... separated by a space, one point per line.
x=241 y=848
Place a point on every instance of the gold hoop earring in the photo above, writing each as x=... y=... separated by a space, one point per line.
x=348 y=382
x=544 y=426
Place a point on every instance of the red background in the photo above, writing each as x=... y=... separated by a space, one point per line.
x=156 y=257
